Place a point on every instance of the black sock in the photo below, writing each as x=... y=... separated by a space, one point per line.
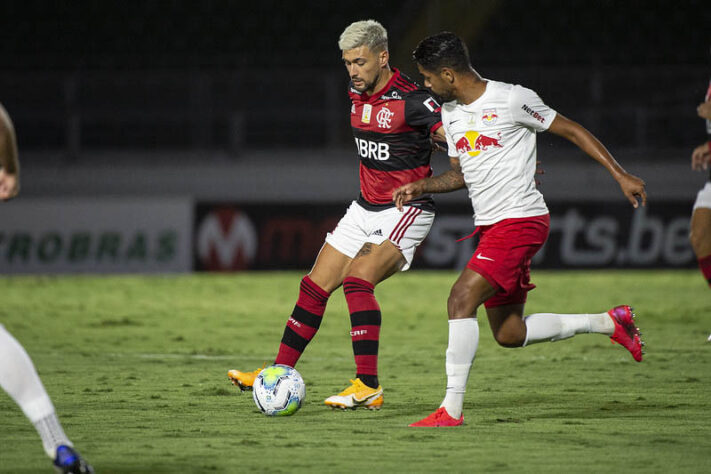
x=370 y=380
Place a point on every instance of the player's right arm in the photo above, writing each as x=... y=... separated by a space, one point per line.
x=448 y=181
x=704 y=110
x=9 y=163
x=438 y=140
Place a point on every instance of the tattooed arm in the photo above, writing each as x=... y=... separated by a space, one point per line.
x=449 y=181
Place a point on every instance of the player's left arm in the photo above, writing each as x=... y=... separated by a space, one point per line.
x=9 y=163
x=632 y=186
x=423 y=111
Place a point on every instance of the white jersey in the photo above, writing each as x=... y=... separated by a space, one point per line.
x=494 y=138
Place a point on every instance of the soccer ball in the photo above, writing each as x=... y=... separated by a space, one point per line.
x=278 y=390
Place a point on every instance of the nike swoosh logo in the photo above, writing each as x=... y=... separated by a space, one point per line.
x=454 y=121
x=481 y=257
x=366 y=397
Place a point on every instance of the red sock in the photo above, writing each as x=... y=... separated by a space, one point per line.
x=365 y=327
x=705 y=266
x=303 y=323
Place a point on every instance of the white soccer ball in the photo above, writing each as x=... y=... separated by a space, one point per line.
x=278 y=390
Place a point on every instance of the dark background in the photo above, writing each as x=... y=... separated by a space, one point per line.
x=243 y=106
x=229 y=76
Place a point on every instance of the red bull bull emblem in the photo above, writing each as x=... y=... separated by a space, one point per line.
x=473 y=143
x=489 y=117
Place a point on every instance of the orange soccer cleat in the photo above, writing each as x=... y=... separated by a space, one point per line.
x=244 y=380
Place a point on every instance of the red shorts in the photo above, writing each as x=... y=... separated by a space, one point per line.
x=504 y=255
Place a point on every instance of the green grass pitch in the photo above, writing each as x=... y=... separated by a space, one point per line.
x=136 y=367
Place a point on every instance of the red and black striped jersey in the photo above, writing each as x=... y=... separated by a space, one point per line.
x=392 y=131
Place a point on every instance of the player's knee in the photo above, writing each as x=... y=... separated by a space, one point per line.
x=459 y=303
x=326 y=284
x=510 y=337
x=363 y=273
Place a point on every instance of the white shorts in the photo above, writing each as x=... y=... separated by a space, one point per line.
x=703 y=199
x=406 y=229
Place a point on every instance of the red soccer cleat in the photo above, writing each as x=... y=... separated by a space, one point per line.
x=626 y=333
x=438 y=418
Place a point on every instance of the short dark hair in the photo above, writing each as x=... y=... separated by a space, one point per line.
x=444 y=49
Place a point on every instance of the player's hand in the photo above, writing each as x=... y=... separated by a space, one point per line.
x=407 y=193
x=9 y=185
x=438 y=142
x=704 y=110
x=701 y=157
x=633 y=188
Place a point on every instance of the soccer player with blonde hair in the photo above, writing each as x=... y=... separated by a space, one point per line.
x=393 y=120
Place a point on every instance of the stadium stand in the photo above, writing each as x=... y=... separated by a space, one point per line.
x=229 y=76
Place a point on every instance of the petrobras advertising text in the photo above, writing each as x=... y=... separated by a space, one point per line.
x=98 y=235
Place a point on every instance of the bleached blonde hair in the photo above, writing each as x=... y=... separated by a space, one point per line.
x=368 y=33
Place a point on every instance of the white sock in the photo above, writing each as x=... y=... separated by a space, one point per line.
x=52 y=434
x=19 y=379
x=463 y=342
x=544 y=327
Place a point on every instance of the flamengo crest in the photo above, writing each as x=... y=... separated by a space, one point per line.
x=384 y=117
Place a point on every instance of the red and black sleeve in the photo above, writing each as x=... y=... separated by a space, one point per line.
x=422 y=110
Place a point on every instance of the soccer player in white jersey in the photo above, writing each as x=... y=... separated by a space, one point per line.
x=18 y=376
x=491 y=134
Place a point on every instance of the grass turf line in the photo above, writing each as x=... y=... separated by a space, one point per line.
x=136 y=367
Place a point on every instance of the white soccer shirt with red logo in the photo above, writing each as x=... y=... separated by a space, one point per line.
x=494 y=138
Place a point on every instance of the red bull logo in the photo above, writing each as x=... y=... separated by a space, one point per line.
x=489 y=116
x=473 y=143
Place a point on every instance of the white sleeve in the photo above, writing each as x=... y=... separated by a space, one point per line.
x=451 y=147
x=529 y=110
